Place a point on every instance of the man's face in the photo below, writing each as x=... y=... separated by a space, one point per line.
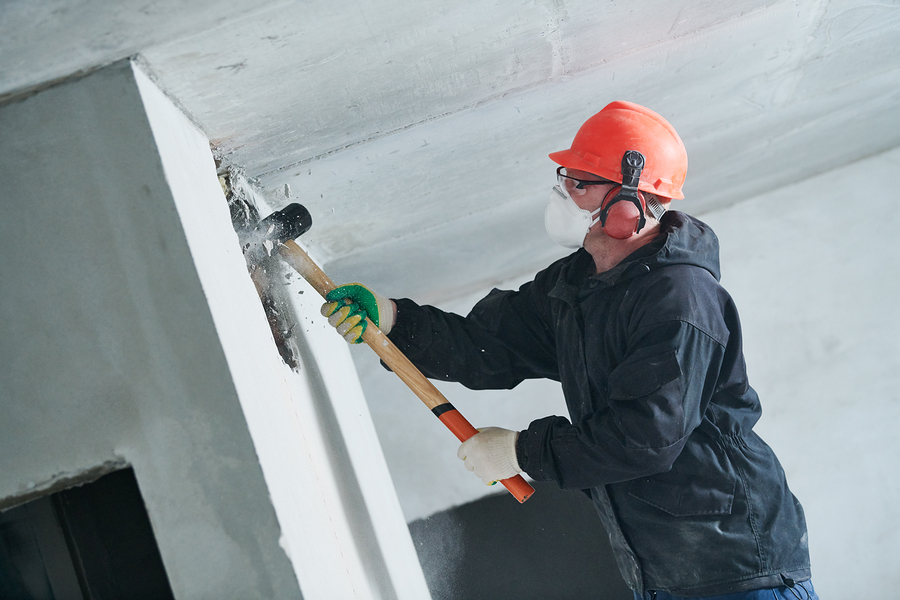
x=588 y=196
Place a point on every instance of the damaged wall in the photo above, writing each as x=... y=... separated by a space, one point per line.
x=131 y=334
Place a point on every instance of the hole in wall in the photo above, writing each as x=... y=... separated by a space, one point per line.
x=267 y=273
x=88 y=542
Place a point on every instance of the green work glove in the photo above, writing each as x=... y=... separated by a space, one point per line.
x=349 y=305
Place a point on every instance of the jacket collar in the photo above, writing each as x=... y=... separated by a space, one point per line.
x=682 y=240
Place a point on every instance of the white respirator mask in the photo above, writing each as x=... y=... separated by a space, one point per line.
x=565 y=222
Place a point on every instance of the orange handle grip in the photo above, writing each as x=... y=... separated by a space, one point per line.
x=463 y=430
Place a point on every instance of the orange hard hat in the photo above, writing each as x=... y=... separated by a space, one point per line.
x=604 y=139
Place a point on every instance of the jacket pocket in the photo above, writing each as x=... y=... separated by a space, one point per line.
x=697 y=496
x=640 y=378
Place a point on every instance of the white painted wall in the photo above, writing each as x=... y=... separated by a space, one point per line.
x=131 y=334
x=812 y=270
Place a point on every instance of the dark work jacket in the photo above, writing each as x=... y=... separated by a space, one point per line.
x=660 y=410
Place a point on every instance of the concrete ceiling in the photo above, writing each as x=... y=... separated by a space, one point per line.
x=417 y=133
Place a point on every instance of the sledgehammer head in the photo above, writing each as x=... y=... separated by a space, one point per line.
x=286 y=224
x=289 y=223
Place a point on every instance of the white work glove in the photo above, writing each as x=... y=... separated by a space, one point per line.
x=491 y=454
x=349 y=305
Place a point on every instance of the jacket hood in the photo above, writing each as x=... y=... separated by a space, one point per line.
x=686 y=241
x=683 y=240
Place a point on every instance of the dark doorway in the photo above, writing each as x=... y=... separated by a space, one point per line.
x=91 y=542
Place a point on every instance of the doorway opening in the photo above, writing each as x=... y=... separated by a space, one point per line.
x=89 y=542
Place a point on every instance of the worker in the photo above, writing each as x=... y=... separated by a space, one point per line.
x=647 y=346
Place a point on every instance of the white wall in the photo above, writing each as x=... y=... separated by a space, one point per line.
x=109 y=352
x=812 y=270
x=341 y=522
x=131 y=334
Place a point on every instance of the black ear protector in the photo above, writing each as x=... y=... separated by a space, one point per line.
x=620 y=220
x=623 y=219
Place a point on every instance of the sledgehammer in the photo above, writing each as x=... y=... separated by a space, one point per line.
x=280 y=229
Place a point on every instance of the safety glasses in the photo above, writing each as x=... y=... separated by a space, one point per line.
x=575 y=186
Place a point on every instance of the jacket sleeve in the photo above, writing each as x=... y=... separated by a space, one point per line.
x=654 y=400
x=502 y=341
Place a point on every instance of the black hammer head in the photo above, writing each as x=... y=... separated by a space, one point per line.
x=289 y=223
x=286 y=224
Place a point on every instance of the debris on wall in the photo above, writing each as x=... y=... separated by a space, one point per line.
x=267 y=272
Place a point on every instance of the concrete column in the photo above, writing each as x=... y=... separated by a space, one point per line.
x=131 y=334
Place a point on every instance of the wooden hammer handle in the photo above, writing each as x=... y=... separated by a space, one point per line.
x=296 y=257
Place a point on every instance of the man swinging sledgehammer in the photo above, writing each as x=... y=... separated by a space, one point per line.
x=647 y=346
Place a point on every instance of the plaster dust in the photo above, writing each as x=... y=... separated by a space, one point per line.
x=288 y=309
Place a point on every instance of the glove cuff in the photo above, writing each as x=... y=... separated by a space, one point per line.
x=504 y=452
x=385 y=313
